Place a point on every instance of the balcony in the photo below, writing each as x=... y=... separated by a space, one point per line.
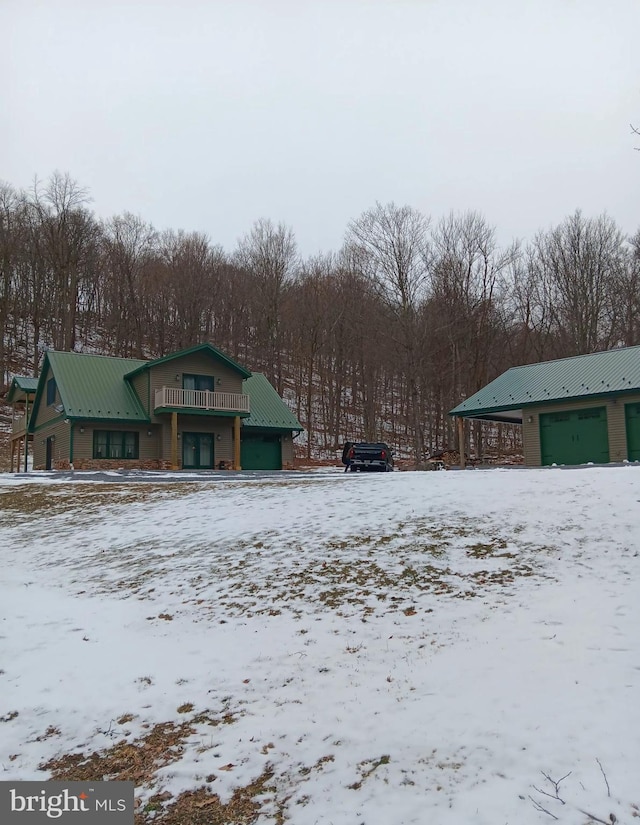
x=18 y=426
x=201 y=400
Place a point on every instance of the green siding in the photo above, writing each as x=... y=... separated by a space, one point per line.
x=574 y=436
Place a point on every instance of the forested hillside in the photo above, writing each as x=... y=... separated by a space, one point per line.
x=378 y=339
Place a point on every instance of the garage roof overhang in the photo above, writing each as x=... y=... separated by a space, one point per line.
x=511 y=416
x=555 y=383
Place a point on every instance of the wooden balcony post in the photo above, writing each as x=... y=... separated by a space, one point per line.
x=18 y=445
x=26 y=431
x=461 y=441
x=236 y=442
x=174 y=441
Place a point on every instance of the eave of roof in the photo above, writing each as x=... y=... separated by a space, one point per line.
x=599 y=374
x=209 y=348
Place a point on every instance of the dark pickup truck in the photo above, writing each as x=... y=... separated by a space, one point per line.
x=367 y=457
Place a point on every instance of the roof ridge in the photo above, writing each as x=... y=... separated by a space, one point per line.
x=92 y=355
x=573 y=357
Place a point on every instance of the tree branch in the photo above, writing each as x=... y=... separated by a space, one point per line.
x=605 y=777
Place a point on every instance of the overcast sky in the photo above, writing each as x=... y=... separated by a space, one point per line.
x=209 y=115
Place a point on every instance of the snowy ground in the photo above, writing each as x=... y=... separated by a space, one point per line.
x=401 y=648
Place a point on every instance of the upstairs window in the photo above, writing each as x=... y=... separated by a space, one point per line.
x=51 y=392
x=198 y=382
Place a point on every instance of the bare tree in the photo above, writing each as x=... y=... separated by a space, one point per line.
x=389 y=246
x=129 y=244
x=467 y=286
x=66 y=230
x=581 y=261
x=628 y=295
x=269 y=253
x=193 y=268
x=11 y=240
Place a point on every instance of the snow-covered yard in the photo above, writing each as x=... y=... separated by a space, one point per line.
x=379 y=649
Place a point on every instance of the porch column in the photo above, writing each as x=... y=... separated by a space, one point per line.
x=236 y=442
x=26 y=431
x=18 y=445
x=461 y=441
x=13 y=449
x=174 y=440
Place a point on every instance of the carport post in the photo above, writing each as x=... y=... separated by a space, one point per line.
x=174 y=441
x=461 y=441
x=236 y=442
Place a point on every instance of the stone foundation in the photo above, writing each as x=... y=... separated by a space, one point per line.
x=118 y=464
x=145 y=464
x=110 y=464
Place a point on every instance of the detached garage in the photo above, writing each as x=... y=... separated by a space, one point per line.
x=577 y=410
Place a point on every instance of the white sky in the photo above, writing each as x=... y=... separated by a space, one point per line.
x=209 y=115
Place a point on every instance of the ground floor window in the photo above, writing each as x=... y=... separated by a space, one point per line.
x=115 y=444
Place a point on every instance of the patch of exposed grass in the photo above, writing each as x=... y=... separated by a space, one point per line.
x=187 y=707
x=135 y=761
x=201 y=807
x=368 y=767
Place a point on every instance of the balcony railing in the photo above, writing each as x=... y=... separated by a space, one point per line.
x=18 y=425
x=202 y=400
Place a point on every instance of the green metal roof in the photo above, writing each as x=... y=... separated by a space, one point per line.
x=268 y=410
x=96 y=387
x=21 y=385
x=92 y=386
x=568 y=379
x=207 y=348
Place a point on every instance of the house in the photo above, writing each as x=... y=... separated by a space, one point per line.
x=21 y=395
x=573 y=411
x=194 y=409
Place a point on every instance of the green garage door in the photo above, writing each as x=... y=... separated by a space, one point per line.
x=632 y=416
x=260 y=452
x=575 y=437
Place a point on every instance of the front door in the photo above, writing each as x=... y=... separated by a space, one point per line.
x=197 y=451
x=49 y=454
